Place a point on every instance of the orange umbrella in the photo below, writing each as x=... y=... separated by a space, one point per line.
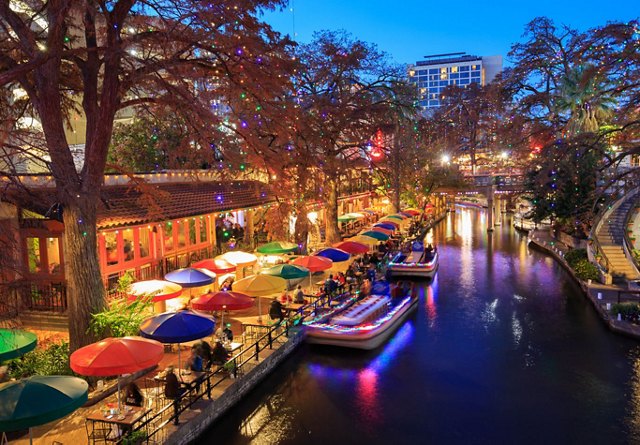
x=382 y=230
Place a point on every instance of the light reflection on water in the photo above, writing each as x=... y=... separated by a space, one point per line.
x=503 y=349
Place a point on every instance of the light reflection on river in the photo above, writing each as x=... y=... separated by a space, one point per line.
x=503 y=349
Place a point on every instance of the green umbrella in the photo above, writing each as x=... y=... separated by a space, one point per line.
x=346 y=218
x=277 y=247
x=377 y=235
x=39 y=399
x=14 y=343
x=287 y=271
x=398 y=217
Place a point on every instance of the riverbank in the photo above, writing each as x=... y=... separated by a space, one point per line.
x=601 y=296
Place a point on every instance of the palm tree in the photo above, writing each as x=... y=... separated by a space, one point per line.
x=583 y=93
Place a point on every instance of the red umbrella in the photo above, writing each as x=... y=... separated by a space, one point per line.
x=352 y=247
x=412 y=212
x=216 y=301
x=390 y=221
x=313 y=263
x=217 y=265
x=116 y=356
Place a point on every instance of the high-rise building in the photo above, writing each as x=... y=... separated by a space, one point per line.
x=432 y=75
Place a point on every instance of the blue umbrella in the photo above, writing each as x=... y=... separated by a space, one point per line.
x=177 y=327
x=385 y=226
x=335 y=255
x=189 y=277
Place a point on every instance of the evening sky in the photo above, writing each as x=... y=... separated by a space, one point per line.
x=411 y=29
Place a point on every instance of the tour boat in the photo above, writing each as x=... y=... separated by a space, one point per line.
x=419 y=262
x=364 y=324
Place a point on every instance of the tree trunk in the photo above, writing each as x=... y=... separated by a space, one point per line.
x=332 y=233
x=85 y=290
x=302 y=227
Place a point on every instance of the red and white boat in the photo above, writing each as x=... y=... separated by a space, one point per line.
x=364 y=324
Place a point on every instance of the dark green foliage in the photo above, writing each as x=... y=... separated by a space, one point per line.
x=573 y=256
x=628 y=311
x=586 y=270
x=52 y=360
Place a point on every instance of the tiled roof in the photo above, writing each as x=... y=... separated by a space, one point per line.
x=124 y=205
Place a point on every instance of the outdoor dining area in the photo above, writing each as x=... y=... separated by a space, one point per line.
x=207 y=325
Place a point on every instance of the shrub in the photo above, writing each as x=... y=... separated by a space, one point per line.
x=574 y=256
x=52 y=360
x=628 y=311
x=121 y=318
x=585 y=270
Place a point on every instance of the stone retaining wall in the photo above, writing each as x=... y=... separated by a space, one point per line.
x=191 y=430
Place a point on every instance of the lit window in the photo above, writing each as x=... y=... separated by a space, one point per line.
x=412 y=73
x=443 y=71
x=473 y=67
x=443 y=76
x=454 y=69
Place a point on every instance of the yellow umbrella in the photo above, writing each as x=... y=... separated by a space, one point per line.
x=260 y=285
x=364 y=239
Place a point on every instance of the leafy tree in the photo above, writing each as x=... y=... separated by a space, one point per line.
x=98 y=58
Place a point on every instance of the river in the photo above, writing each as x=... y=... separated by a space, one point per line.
x=504 y=348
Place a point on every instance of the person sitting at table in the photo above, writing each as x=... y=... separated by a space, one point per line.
x=172 y=388
x=285 y=298
x=219 y=355
x=194 y=363
x=299 y=295
x=133 y=395
x=275 y=310
x=365 y=288
x=204 y=350
x=227 y=333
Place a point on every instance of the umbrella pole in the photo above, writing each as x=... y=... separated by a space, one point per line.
x=30 y=436
x=179 y=367
x=119 y=407
x=259 y=310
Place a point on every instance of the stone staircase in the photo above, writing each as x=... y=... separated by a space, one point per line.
x=46 y=321
x=611 y=238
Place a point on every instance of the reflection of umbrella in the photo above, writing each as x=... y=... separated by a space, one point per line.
x=313 y=263
x=177 y=327
x=38 y=400
x=277 y=247
x=14 y=343
x=412 y=212
x=160 y=290
x=394 y=222
x=335 y=255
x=216 y=265
x=380 y=288
x=116 y=356
x=386 y=225
x=352 y=247
x=260 y=285
x=395 y=216
x=189 y=277
x=221 y=301
x=346 y=218
x=407 y=214
x=287 y=271
x=377 y=235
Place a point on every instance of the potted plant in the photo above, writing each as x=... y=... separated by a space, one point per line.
x=135 y=438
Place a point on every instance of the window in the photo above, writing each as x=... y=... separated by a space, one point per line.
x=454 y=69
x=167 y=235
x=433 y=71
x=144 y=242
x=464 y=75
x=203 y=230
x=182 y=240
x=454 y=76
x=192 y=231
x=443 y=70
x=111 y=246
x=53 y=256
x=129 y=250
x=33 y=254
x=464 y=69
x=464 y=81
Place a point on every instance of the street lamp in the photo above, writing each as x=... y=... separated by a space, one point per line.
x=446 y=159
